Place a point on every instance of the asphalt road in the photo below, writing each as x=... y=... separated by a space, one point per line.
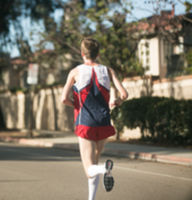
x=31 y=173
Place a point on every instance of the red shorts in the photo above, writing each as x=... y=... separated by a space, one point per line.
x=94 y=133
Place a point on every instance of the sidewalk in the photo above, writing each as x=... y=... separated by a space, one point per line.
x=70 y=141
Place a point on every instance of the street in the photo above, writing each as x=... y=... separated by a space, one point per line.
x=33 y=173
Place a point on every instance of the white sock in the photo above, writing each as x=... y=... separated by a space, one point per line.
x=95 y=170
x=93 y=185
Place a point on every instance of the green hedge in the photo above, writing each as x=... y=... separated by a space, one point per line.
x=160 y=119
x=35 y=87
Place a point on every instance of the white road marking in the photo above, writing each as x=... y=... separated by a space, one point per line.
x=152 y=173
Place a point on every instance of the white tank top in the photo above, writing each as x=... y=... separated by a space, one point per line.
x=85 y=75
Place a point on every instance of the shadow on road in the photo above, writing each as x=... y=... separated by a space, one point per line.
x=12 y=152
x=25 y=153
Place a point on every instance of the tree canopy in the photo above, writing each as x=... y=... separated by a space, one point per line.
x=82 y=18
x=118 y=45
x=12 y=10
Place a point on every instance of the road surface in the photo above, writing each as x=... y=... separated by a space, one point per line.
x=33 y=173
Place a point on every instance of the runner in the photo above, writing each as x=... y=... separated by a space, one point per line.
x=91 y=85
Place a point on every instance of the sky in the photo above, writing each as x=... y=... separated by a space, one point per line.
x=141 y=10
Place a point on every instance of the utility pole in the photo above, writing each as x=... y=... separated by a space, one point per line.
x=32 y=79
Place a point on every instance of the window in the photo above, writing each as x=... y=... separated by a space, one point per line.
x=144 y=54
x=167 y=49
x=181 y=40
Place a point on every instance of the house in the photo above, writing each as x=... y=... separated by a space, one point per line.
x=161 y=49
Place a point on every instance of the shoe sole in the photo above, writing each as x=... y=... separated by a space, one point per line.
x=108 y=181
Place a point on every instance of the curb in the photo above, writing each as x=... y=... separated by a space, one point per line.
x=110 y=152
x=150 y=157
x=38 y=143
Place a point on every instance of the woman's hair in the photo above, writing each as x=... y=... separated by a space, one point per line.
x=90 y=48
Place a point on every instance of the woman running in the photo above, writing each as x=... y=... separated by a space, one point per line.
x=90 y=83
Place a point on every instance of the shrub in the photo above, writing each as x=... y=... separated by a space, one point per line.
x=18 y=89
x=160 y=119
x=189 y=70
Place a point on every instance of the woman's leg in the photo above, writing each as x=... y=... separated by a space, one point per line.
x=93 y=185
x=99 y=148
x=90 y=152
x=87 y=151
x=108 y=180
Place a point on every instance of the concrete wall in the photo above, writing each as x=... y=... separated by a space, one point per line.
x=12 y=107
x=48 y=111
x=179 y=87
x=50 y=114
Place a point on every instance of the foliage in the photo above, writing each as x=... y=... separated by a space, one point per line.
x=118 y=39
x=14 y=90
x=189 y=58
x=82 y=18
x=12 y=10
x=118 y=44
x=189 y=70
x=188 y=6
x=160 y=119
x=18 y=89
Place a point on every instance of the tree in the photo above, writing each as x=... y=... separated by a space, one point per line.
x=118 y=44
x=188 y=57
x=188 y=7
x=12 y=11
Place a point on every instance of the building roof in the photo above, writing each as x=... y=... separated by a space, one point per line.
x=18 y=61
x=166 y=21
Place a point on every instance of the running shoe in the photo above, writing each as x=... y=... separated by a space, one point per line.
x=108 y=181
